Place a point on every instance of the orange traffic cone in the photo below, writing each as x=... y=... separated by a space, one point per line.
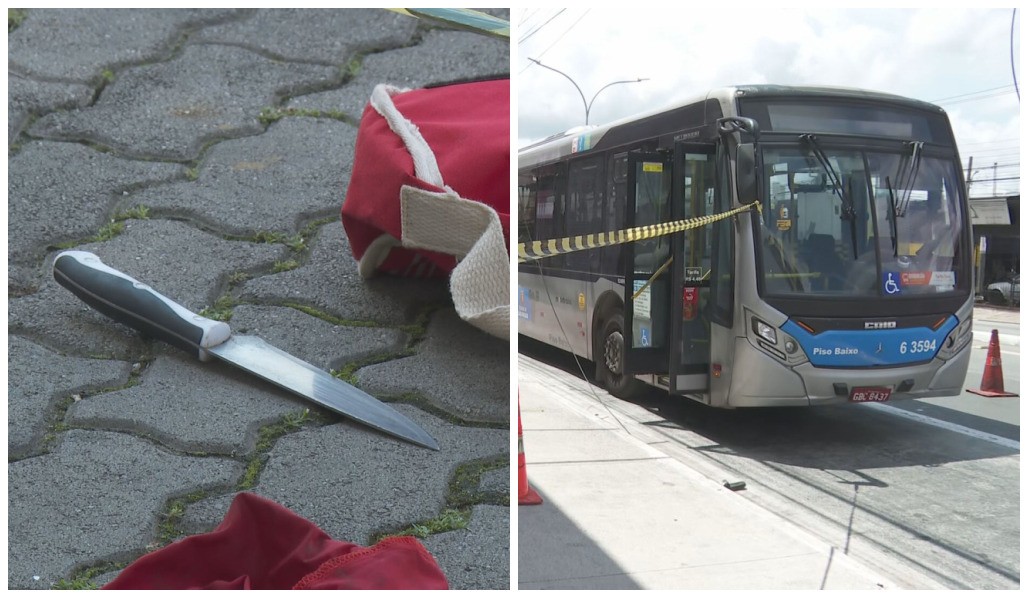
x=992 y=378
x=526 y=496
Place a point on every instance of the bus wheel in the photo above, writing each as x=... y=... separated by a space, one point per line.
x=612 y=360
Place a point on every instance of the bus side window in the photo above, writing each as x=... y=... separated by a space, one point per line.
x=527 y=188
x=549 y=208
x=584 y=213
x=614 y=219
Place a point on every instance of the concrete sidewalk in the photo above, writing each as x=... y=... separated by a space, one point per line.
x=620 y=514
x=207 y=152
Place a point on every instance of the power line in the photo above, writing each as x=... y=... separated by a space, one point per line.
x=527 y=17
x=982 y=97
x=561 y=36
x=537 y=29
x=971 y=93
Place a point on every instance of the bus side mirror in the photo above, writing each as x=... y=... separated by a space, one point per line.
x=746 y=173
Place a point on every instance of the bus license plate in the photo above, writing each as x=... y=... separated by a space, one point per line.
x=870 y=394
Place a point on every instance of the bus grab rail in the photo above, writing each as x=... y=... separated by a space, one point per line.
x=537 y=250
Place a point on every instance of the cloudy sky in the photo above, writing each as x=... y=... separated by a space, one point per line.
x=957 y=58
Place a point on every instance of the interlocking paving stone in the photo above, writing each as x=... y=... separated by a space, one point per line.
x=294 y=172
x=59 y=192
x=39 y=380
x=314 y=340
x=78 y=45
x=354 y=482
x=461 y=56
x=190 y=406
x=314 y=35
x=26 y=97
x=497 y=480
x=478 y=390
x=170 y=110
x=329 y=281
x=95 y=497
x=488 y=529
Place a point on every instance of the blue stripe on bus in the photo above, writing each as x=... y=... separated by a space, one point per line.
x=871 y=348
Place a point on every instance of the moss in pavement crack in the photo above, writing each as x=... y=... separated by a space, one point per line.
x=348 y=372
x=55 y=420
x=462 y=496
x=465 y=484
x=221 y=310
x=82 y=579
x=266 y=438
x=140 y=212
x=271 y=115
x=110 y=230
x=321 y=315
x=15 y=17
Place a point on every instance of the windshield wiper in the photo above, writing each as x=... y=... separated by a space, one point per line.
x=848 y=211
x=907 y=178
x=892 y=219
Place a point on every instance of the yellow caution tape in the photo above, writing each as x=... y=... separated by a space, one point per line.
x=535 y=250
x=461 y=18
x=659 y=271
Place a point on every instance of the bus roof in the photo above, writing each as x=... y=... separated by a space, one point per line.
x=726 y=97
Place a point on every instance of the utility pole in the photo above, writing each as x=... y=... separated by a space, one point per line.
x=970 y=161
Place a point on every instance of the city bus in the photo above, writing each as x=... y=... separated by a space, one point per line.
x=850 y=283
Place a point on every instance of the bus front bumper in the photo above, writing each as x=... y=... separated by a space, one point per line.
x=760 y=380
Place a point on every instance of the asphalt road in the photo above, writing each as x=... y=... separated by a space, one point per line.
x=999 y=416
x=936 y=493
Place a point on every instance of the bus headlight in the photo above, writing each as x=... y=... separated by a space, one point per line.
x=957 y=339
x=790 y=346
x=765 y=331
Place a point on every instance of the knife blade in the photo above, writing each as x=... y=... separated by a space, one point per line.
x=126 y=300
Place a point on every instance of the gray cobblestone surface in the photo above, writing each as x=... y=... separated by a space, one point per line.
x=207 y=153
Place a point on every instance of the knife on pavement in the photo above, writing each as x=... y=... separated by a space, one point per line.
x=126 y=300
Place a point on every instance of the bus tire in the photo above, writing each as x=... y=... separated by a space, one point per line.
x=611 y=361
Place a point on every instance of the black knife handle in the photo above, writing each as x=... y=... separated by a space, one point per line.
x=126 y=300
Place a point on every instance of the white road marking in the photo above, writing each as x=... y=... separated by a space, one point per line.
x=924 y=419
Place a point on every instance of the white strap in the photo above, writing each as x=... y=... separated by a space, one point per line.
x=471 y=231
x=425 y=166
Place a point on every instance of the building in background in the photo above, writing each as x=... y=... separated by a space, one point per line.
x=996 y=229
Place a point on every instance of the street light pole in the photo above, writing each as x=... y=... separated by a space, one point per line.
x=588 y=106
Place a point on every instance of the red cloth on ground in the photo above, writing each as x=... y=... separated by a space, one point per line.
x=262 y=545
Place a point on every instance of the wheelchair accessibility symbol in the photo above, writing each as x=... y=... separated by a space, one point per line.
x=890 y=283
x=644 y=337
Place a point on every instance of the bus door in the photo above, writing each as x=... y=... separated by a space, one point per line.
x=648 y=269
x=694 y=186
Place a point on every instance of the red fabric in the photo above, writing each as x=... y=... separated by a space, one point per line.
x=468 y=128
x=261 y=545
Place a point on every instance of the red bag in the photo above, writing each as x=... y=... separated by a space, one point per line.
x=429 y=194
x=261 y=545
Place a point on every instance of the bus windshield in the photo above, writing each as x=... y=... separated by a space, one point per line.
x=859 y=223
